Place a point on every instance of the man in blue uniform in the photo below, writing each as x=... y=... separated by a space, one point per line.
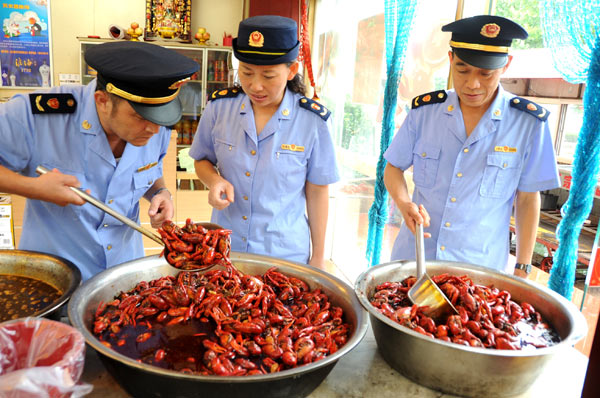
x=475 y=150
x=272 y=148
x=106 y=137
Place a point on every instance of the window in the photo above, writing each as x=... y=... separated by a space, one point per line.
x=570 y=131
x=350 y=73
x=533 y=75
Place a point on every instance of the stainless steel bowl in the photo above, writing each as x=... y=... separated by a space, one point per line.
x=461 y=370
x=142 y=380
x=54 y=270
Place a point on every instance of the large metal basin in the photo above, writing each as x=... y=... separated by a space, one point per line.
x=54 y=270
x=142 y=380
x=461 y=370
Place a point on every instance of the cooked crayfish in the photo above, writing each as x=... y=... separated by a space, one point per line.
x=222 y=322
x=193 y=246
x=487 y=317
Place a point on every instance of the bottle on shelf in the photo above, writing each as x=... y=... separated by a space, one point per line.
x=218 y=70
x=187 y=132
x=210 y=76
x=194 y=127
x=178 y=128
x=223 y=71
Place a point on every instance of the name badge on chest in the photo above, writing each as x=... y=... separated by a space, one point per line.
x=146 y=167
x=505 y=149
x=292 y=147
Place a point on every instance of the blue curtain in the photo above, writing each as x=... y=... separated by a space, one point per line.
x=572 y=32
x=399 y=15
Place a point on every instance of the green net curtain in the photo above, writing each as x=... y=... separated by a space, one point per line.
x=399 y=15
x=572 y=33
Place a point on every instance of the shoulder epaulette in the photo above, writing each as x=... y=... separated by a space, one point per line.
x=530 y=107
x=315 y=107
x=52 y=103
x=225 y=93
x=434 y=97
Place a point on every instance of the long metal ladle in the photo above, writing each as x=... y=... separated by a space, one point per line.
x=425 y=293
x=93 y=201
x=127 y=221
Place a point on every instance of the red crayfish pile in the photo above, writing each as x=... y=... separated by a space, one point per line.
x=222 y=322
x=193 y=246
x=487 y=317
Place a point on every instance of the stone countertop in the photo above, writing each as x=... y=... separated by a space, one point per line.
x=363 y=373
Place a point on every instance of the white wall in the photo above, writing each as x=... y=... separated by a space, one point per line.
x=70 y=19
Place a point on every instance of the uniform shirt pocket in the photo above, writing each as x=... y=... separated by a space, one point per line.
x=223 y=147
x=142 y=181
x=291 y=160
x=501 y=175
x=230 y=157
x=291 y=168
x=426 y=161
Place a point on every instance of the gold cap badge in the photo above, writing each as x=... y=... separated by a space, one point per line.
x=256 y=39
x=490 y=30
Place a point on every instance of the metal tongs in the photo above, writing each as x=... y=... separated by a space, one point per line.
x=127 y=221
x=425 y=293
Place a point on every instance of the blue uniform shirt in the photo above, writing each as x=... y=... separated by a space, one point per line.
x=468 y=184
x=75 y=144
x=268 y=172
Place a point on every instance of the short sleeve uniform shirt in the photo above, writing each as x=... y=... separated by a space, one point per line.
x=468 y=184
x=268 y=171
x=76 y=144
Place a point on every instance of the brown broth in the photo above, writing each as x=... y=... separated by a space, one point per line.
x=22 y=296
x=180 y=343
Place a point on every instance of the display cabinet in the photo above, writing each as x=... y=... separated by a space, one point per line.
x=216 y=72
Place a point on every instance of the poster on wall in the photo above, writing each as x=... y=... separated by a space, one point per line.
x=25 y=43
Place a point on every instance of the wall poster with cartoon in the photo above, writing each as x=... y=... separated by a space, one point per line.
x=25 y=43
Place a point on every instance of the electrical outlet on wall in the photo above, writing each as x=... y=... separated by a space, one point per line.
x=68 y=78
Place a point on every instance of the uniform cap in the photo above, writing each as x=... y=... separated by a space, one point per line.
x=147 y=75
x=483 y=41
x=266 y=40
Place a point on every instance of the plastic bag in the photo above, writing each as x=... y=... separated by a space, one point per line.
x=41 y=358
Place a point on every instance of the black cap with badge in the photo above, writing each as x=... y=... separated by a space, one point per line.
x=147 y=75
x=483 y=41
x=266 y=40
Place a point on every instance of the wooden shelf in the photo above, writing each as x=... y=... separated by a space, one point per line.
x=186 y=175
x=191 y=177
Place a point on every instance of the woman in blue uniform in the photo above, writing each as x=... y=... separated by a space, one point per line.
x=265 y=151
